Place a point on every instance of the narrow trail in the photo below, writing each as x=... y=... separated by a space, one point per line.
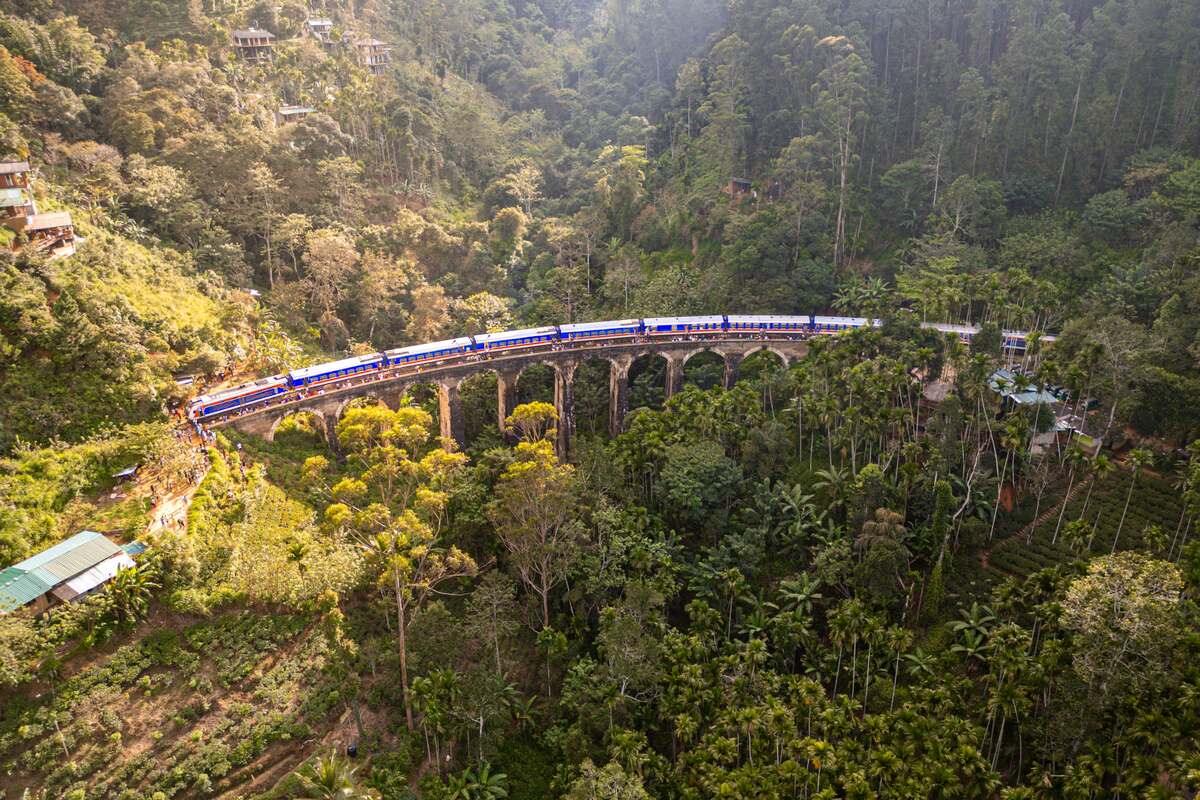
x=1027 y=531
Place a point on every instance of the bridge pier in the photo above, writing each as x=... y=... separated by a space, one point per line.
x=733 y=364
x=564 y=404
x=331 y=438
x=618 y=394
x=506 y=396
x=450 y=411
x=674 y=376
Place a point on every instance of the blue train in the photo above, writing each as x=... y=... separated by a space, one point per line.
x=321 y=375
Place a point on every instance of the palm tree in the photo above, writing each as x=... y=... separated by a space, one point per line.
x=481 y=784
x=129 y=592
x=835 y=483
x=1075 y=459
x=799 y=593
x=977 y=618
x=331 y=777
x=1138 y=459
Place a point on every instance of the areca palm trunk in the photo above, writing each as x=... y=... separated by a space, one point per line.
x=1121 y=524
x=403 y=639
x=1062 y=512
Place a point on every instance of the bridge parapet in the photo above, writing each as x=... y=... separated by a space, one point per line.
x=329 y=404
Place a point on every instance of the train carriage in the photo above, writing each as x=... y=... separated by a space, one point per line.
x=595 y=330
x=667 y=325
x=507 y=340
x=839 y=324
x=334 y=370
x=429 y=352
x=237 y=397
x=768 y=322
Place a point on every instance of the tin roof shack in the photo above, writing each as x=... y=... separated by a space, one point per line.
x=14 y=174
x=288 y=114
x=16 y=200
x=51 y=232
x=374 y=54
x=67 y=571
x=739 y=188
x=254 y=45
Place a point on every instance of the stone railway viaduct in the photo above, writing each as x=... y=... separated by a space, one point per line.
x=390 y=387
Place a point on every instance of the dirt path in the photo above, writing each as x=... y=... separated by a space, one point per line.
x=171 y=511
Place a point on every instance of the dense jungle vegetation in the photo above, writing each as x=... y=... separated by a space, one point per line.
x=860 y=575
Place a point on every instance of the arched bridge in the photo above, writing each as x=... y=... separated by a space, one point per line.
x=389 y=386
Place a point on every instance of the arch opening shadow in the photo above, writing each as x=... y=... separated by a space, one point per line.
x=481 y=419
x=536 y=384
x=299 y=428
x=767 y=371
x=592 y=379
x=648 y=381
x=705 y=370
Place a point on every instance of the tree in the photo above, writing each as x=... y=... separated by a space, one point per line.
x=610 y=782
x=534 y=515
x=1125 y=616
x=430 y=313
x=414 y=564
x=329 y=262
x=534 y=421
x=525 y=185
x=840 y=109
x=492 y=609
x=698 y=480
x=401 y=531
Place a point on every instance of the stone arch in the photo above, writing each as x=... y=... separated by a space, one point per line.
x=322 y=426
x=714 y=349
x=345 y=404
x=784 y=357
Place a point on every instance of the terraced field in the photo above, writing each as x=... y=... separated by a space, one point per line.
x=1154 y=502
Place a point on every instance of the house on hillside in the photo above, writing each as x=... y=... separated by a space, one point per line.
x=320 y=30
x=288 y=114
x=52 y=232
x=739 y=188
x=66 y=572
x=16 y=199
x=254 y=45
x=373 y=54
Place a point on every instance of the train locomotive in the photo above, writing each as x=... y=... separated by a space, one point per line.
x=316 y=378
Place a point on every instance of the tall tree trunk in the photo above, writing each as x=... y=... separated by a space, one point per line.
x=402 y=634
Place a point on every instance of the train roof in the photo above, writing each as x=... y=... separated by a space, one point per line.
x=710 y=319
x=431 y=347
x=843 y=320
x=767 y=318
x=603 y=325
x=523 y=333
x=242 y=388
x=334 y=366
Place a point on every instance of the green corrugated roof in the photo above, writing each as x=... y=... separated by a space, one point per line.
x=68 y=558
x=18 y=587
